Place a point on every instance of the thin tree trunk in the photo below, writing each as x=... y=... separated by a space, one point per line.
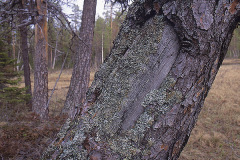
x=9 y=40
x=111 y=25
x=24 y=49
x=55 y=51
x=40 y=94
x=18 y=60
x=51 y=58
x=14 y=48
x=145 y=100
x=81 y=71
x=25 y=56
x=101 y=49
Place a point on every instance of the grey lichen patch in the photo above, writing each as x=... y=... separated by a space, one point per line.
x=64 y=129
x=120 y=79
x=108 y=111
x=156 y=103
x=144 y=39
x=71 y=146
x=124 y=147
x=69 y=140
x=129 y=60
x=163 y=98
x=70 y=153
x=144 y=122
x=128 y=145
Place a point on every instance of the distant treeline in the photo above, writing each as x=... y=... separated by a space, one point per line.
x=234 y=47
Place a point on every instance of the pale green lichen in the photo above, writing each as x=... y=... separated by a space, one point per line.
x=68 y=149
x=118 y=86
x=163 y=97
x=64 y=129
x=118 y=82
x=161 y=101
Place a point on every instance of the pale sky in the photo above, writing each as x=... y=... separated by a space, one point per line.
x=100 y=6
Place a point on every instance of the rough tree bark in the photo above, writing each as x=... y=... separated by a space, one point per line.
x=145 y=100
x=40 y=94
x=24 y=50
x=81 y=71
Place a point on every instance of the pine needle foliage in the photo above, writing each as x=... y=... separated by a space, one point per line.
x=9 y=93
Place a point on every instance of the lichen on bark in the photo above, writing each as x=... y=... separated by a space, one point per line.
x=129 y=60
x=113 y=100
x=145 y=99
x=163 y=96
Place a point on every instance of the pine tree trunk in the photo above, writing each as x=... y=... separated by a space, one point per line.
x=81 y=71
x=55 y=51
x=40 y=94
x=145 y=100
x=14 y=48
x=25 y=56
x=26 y=68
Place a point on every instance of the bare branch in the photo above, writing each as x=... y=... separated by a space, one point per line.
x=57 y=10
x=56 y=81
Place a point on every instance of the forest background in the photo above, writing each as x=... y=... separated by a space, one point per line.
x=23 y=135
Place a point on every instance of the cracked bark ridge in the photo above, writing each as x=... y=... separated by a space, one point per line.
x=146 y=97
x=40 y=93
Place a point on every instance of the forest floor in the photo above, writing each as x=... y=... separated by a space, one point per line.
x=216 y=135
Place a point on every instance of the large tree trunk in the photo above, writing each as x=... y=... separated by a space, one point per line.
x=145 y=100
x=24 y=50
x=81 y=71
x=40 y=94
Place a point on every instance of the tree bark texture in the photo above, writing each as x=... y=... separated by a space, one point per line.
x=25 y=56
x=81 y=71
x=40 y=94
x=145 y=100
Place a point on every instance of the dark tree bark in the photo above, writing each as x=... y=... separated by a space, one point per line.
x=24 y=49
x=145 y=100
x=40 y=94
x=81 y=71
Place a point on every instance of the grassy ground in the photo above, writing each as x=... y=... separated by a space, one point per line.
x=216 y=135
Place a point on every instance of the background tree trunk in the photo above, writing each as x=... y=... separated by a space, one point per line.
x=55 y=50
x=14 y=47
x=24 y=50
x=145 y=100
x=40 y=94
x=81 y=71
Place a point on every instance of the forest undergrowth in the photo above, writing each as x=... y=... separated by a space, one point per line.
x=216 y=135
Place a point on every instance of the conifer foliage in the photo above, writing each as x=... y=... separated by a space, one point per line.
x=9 y=94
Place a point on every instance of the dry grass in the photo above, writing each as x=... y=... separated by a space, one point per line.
x=216 y=135
x=61 y=89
